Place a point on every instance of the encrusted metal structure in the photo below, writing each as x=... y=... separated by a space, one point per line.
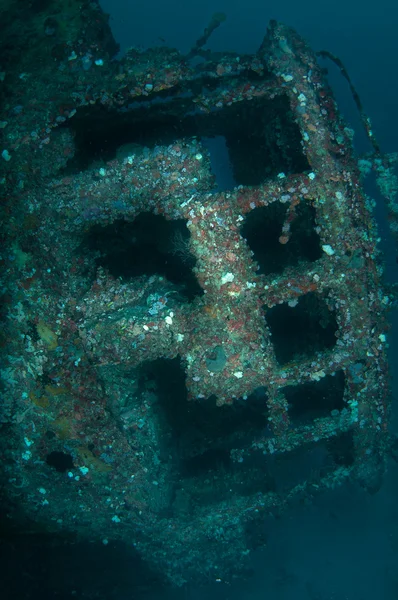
x=174 y=413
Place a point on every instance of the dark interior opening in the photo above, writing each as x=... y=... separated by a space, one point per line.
x=342 y=448
x=301 y=331
x=316 y=399
x=199 y=426
x=261 y=135
x=146 y=246
x=61 y=461
x=199 y=443
x=309 y=463
x=201 y=438
x=201 y=434
x=262 y=229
